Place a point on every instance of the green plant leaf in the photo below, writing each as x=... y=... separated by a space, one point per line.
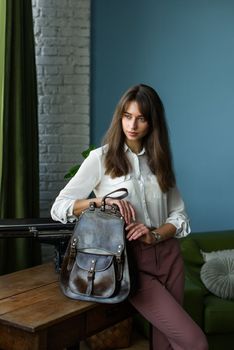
x=86 y=152
x=73 y=170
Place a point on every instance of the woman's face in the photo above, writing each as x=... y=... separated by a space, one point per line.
x=135 y=125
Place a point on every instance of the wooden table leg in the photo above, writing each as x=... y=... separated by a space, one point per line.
x=74 y=347
x=14 y=339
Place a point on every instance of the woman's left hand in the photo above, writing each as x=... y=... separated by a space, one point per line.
x=137 y=230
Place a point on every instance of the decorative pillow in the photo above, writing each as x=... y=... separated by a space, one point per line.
x=217 y=275
x=217 y=254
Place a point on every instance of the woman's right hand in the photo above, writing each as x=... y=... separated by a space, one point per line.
x=126 y=209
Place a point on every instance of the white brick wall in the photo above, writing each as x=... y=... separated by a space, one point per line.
x=62 y=36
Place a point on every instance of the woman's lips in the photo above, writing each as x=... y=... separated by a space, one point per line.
x=130 y=133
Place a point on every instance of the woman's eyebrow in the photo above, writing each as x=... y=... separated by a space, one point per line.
x=137 y=116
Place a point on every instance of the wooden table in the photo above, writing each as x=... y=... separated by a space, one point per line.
x=34 y=314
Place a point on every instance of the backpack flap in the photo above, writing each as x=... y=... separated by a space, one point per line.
x=93 y=274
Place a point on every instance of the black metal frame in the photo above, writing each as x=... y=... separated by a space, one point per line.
x=44 y=229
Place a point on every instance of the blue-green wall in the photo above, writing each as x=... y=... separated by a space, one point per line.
x=185 y=50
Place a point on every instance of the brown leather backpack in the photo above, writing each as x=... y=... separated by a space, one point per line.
x=95 y=265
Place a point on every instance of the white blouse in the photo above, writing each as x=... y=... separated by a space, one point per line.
x=152 y=206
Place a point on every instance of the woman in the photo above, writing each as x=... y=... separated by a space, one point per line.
x=136 y=155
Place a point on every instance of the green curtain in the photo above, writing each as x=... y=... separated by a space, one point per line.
x=19 y=188
x=2 y=62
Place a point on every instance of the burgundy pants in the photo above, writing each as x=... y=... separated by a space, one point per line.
x=159 y=296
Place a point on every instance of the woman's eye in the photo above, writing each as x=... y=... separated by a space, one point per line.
x=141 y=119
x=128 y=116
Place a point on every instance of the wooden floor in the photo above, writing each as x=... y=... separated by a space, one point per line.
x=138 y=342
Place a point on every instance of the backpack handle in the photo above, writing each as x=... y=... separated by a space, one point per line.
x=109 y=195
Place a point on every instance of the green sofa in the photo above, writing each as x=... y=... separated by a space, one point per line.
x=214 y=315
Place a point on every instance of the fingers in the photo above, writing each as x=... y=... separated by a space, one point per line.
x=125 y=208
x=136 y=231
x=127 y=211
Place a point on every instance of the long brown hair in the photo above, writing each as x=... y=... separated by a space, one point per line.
x=156 y=142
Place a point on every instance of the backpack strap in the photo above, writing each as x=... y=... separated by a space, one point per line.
x=109 y=195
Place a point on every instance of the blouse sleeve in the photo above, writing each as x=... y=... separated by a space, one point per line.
x=79 y=187
x=177 y=215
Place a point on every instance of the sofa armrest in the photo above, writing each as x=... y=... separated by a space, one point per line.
x=194 y=294
x=194 y=289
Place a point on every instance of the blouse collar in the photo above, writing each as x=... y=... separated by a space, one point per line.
x=126 y=148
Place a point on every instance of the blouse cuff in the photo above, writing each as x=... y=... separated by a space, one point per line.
x=70 y=216
x=182 y=226
x=64 y=213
